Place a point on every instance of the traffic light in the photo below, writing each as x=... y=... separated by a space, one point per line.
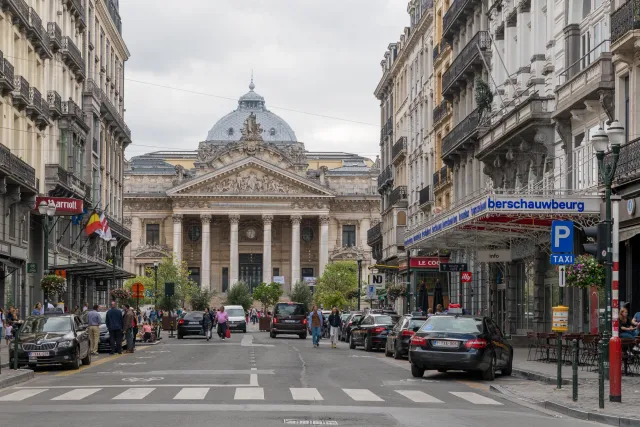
x=600 y=236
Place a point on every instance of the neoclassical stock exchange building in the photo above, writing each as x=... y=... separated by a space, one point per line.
x=250 y=204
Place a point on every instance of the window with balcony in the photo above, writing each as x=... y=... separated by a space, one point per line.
x=153 y=234
x=348 y=235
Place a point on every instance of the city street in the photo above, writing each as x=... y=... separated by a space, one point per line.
x=252 y=379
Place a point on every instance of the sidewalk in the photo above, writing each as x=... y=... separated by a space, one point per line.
x=4 y=355
x=543 y=392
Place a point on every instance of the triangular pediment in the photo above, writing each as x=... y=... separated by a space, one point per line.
x=251 y=176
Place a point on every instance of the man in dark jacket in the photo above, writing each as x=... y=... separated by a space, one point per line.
x=114 y=325
x=334 y=324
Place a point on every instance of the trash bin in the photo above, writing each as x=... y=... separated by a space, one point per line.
x=264 y=323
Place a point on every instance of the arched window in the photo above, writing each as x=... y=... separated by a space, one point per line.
x=401 y=218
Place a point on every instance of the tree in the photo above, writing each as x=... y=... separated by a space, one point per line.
x=302 y=293
x=200 y=299
x=268 y=294
x=333 y=287
x=239 y=295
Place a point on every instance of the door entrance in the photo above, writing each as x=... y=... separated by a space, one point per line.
x=251 y=270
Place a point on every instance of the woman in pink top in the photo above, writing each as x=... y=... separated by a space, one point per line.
x=222 y=318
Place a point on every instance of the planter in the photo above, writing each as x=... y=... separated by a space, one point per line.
x=264 y=323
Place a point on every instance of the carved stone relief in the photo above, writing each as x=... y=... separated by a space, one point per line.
x=250 y=182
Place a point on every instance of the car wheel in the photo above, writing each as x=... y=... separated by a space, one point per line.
x=303 y=336
x=244 y=331
x=76 y=361
x=416 y=371
x=368 y=345
x=87 y=360
x=272 y=334
x=490 y=373
x=387 y=352
x=507 y=370
x=397 y=354
x=180 y=336
x=352 y=344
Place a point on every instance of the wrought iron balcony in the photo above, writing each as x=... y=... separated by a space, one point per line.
x=425 y=196
x=456 y=15
x=385 y=178
x=436 y=179
x=441 y=177
x=55 y=104
x=72 y=56
x=441 y=111
x=115 y=15
x=387 y=129
x=439 y=49
x=73 y=112
x=118 y=229
x=37 y=109
x=625 y=19
x=62 y=182
x=19 y=9
x=55 y=36
x=76 y=8
x=466 y=60
x=6 y=75
x=399 y=149
x=628 y=169
x=20 y=92
x=12 y=166
x=461 y=133
x=374 y=234
x=398 y=194
x=38 y=35
x=112 y=114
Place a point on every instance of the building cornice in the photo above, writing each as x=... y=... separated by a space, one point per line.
x=114 y=35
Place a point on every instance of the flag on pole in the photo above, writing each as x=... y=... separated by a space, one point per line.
x=104 y=231
x=93 y=225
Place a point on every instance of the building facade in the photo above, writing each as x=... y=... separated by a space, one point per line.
x=250 y=204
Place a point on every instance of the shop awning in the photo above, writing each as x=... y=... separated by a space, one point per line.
x=92 y=269
x=629 y=232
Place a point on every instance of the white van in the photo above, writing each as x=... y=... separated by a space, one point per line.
x=237 y=319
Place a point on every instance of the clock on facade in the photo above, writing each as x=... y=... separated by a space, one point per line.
x=250 y=233
x=194 y=233
x=307 y=234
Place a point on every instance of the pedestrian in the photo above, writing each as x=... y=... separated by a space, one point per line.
x=222 y=317
x=114 y=325
x=315 y=323
x=37 y=309
x=8 y=333
x=127 y=326
x=207 y=323
x=77 y=311
x=85 y=307
x=146 y=329
x=1 y=323
x=9 y=317
x=334 y=326
x=93 y=320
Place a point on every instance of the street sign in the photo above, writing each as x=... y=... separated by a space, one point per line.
x=137 y=288
x=496 y=255
x=377 y=280
x=371 y=292
x=562 y=259
x=562 y=237
x=453 y=267
x=562 y=281
x=466 y=277
x=148 y=293
x=32 y=267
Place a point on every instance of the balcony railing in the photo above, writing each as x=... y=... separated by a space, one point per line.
x=39 y=110
x=465 y=58
x=439 y=48
x=387 y=129
x=386 y=177
x=441 y=177
x=118 y=229
x=20 y=92
x=425 y=195
x=55 y=36
x=399 y=193
x=73 y=57
x=56 y=174
x=13 y=166
x=76 y=7
x=38 y=35
x=374 y=233
x=112 y=113
x=460 y=133
x=628 y=163
x=399 y=147
x=115 y=15
x=440 y=111
x=74 y=112
x=6 y=75
x=436 y=179
x=55 y=104
x=19 y=10
x=626 y=18
x=455 y=12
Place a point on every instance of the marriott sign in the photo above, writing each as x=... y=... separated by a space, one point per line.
x=64 y=206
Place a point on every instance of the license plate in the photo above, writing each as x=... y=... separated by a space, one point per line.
x=450 y=344
x=290 y=321
x=34 y=354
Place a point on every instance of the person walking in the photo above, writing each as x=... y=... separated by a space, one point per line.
x=221 y=319
x=93 y=320
x=315 y=321
x=207 y=323
x=127 y=325
x=334 y=326
x=1 y=323
x=114 y=325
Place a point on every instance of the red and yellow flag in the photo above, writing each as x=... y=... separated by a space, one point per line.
x=93 y=224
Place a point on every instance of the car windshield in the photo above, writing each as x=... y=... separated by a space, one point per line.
x=345 y=316
x=194 y=315
x=290 y=310
x=235 y=312
x=356 y=318
x=103 y=317
x=46 y=324
x=384 y=320
x=462 y=325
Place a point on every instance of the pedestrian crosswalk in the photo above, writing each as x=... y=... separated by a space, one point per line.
x=198 y=393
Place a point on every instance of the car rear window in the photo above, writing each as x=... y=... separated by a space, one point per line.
x=193 y=316
x=356 y=317
x=416 y=323
x=290 y=310
x=235 y=312
x=384 y=320
x=462 y=325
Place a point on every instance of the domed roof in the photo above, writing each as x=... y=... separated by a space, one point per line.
x=274 y=128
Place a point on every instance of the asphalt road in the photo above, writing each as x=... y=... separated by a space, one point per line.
x=253 y=380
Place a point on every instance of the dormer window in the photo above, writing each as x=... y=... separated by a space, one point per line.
x=230 y=131
x=272 y=131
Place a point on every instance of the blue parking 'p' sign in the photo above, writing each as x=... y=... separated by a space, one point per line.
x=562 y=237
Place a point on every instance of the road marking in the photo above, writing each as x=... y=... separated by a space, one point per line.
x=134 y=393
x=131 y=363
x=305 y=394
x=21 y=395
x=196 y=393
x=362 y=395
x=249 y=393
x=93 y=364
x=418 y=396
x=474 y=398
x=247 y=341
x=142 y=380
x=77 y=394
x=253 y=380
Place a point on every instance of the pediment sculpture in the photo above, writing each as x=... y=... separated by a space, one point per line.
x=250 y=182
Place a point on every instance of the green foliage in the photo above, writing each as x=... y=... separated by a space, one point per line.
x=148 y=286
x=334 y=286
x=395 y=291
x=53 y=284
x=168 y=303
x=239 y=294
x=302 y=293
x=585 y=272
x=200 y=299
x=484 y=97
x=268 y=294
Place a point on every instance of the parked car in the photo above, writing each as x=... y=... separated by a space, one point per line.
x=104 y=344
x=343 y=323
x=400 y=336
x=371 y=332
x=190 y=324
x=289 y=318
x=237 y=319
x=53 y=339
x=354 y=317
x=454 y=342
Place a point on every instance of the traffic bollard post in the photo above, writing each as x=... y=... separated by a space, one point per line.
x=615 y=370
x=559 y=360
x=601 y=374
x=574 y=363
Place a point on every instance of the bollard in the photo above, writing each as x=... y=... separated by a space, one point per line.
x=601 y=374
x=559 y=360
x=615 y=370
x=16 y=338
x=574 y=360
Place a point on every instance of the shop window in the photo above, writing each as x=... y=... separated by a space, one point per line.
x=348 y=235
x=153 y=234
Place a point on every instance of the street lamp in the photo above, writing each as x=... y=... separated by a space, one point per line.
x=359 y=261
x=47 y=211
x=155 y=292
x=113 y=242
x=600 y=139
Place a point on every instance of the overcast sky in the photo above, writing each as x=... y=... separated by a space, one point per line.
x=312 y=56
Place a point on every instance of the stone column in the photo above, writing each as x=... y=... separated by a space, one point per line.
x=205 y=269
x=177 y=237
x=267 y=270
x=295 y=248
x=323 y=258
x=234 y=269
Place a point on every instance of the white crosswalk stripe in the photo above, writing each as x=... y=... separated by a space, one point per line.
x=418 y=396
x=362 y=395
x=77 y=394
x=192 y=393
x=305 y=394
x=249 y=393
x=475 y=398
x=21 y=395
x=134 y=393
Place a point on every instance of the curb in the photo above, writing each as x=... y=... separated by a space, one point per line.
x=22 y=376
x=572 y=412
x=534 y=376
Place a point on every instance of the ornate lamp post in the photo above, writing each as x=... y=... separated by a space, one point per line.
x=47 y=211
x=113 y=242
x=359 y=261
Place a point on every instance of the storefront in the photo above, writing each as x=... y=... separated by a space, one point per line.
x=429 y=286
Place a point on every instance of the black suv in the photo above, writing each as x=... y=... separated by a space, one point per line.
x=289 y=318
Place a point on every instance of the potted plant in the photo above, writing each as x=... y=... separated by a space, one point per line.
x=395 y=291
x=52 y=284
x=120 y=294
x=585 y=273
